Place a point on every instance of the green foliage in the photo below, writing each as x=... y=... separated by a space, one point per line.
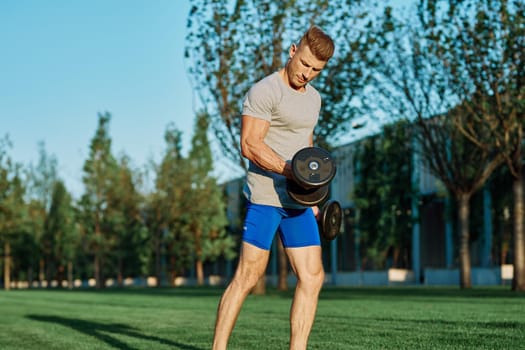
x=187 y=214
x=41 y=181
x=502 y=215
x=205 y=217
x=61 y=234
x=14 y=218
x=167 y=204
x=480 y=47
x=383 y=196
x=447 y=69
x=12 y=191
x=111 y=210
x=100 y=217
x=129 y=234
x=230 y=46
x=42 y=177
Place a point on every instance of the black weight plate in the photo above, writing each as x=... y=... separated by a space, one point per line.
x=313 y=167
x=331 y=218
x=306 y=196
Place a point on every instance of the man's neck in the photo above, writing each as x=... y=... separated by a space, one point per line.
x=284 y=76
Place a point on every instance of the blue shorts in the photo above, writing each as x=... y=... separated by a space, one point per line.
x=297 y=227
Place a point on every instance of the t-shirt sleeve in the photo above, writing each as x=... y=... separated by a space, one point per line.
x=259 y=102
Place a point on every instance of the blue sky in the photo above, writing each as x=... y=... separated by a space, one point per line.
x=62 y=62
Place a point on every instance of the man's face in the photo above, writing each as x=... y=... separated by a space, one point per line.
x=303 y=66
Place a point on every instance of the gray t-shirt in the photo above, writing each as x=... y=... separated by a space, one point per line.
x=292 y=116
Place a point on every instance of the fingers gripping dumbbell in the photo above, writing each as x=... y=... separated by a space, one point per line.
x=312 y=169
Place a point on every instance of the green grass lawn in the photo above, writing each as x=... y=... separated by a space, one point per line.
x=182 y=318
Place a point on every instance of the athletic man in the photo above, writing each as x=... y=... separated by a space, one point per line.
x=278 y=119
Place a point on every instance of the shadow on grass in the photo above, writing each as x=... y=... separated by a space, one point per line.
x=101 y=330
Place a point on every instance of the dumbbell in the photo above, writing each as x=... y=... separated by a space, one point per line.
x=312 y=168
x=330 y=219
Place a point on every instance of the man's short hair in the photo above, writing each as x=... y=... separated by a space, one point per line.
x=321 y=45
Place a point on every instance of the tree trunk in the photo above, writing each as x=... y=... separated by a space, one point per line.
x=70 y=274
x=41 y=271
x=464 y=252
x=60 y=275
x=120 y=273
x=173 y=278
x=173 y=272
x=518 y=281
x=283 y=266
x=198 y=262
x=158 y=271
x=49 y=272
x=30 y=276
x=96 y=270
x=7 y=265
x=200 y=272
x=260 y=287
x=395 y=257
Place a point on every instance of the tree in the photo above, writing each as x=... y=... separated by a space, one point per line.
x=205 y=213
x=43 y=176
x=61 y=235
x=128 y=230
x=481 y=47
x=382 y=197
x=166 y=207
x=41 y=182
x=99 y=172
x=26 y=248
x=230 y=46
x=12 y=206
x=116 y=232
x=409 y=81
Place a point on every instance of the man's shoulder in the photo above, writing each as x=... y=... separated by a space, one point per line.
x=268 y=82
x=267 y=86
x=262 y=98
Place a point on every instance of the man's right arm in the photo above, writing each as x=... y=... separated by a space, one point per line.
x=253 y=132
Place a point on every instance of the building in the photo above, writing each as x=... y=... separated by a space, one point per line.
x=432 y=248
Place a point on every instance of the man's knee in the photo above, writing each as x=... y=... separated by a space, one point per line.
x=246 y=281
x=312 y=281
x=247 y=275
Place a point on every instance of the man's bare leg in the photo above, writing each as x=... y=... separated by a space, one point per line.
x=252 y=264
x=308 y=267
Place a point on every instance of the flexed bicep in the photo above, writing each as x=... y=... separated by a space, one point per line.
x=253 y=147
